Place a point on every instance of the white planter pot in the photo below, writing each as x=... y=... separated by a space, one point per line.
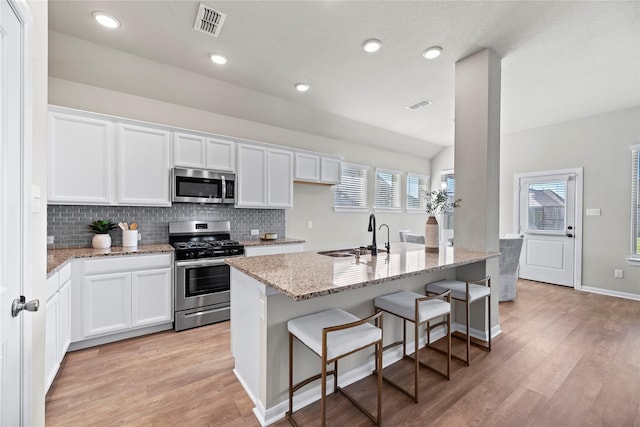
x=101 y=241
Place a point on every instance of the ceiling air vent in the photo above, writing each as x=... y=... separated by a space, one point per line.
x=209 y=20
x=419 y=104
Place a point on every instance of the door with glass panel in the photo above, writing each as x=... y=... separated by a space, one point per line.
x=548 y=219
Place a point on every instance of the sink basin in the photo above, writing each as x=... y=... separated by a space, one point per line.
x=343 y=253
x=337 y=253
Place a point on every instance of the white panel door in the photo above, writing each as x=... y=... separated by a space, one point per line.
x=144 y=166
x=189 y=150
x=106 y=303
x=251 y=177
x=151 y=297
x=79 y=167
x=15 y=180
x=64 y=319
x=548 y=221
x=280 y=190
x=221 y=154
x=52 y=308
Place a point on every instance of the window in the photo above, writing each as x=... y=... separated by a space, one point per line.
x=546 y=206
x=448 y=184
x=416 y=186
x=635 y=202
x=387 y=186
x=351 y=194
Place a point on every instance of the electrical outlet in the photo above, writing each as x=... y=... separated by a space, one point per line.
x=309 y=225
x=255 y=232
x=618 y=274
x=50 y=240
x=139 y=236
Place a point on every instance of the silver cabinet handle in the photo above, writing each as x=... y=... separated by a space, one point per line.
x=20 y=304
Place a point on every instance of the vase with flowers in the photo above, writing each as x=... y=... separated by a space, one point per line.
x=437 y=202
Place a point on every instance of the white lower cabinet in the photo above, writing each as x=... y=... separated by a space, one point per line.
x=58 y=321
x=122 y=294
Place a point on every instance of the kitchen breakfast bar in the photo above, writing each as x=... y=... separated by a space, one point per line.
x=267 y=291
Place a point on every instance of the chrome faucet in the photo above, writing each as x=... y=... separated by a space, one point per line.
x=372 y=228
x=387 y=246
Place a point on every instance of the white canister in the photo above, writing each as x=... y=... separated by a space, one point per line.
x=130 y=238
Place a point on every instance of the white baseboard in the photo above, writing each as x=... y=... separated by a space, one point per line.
x=611 y=293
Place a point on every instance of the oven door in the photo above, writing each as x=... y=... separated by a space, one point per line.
x=200 y=283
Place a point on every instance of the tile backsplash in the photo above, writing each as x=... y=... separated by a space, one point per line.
x=68 y=223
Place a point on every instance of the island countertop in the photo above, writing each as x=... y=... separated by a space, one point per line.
x=306 y=275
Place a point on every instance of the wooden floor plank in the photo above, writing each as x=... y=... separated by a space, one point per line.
x=564 y=357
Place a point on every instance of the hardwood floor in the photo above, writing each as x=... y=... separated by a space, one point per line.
x=564 y=358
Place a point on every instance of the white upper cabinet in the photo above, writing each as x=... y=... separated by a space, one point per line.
x=189 y=151
x=251 y=177
x=221 y=154
x=264 y=177
x=317 y=167
x=79 y=154
x=200 y=152
x=280 y=179
x=143 y=166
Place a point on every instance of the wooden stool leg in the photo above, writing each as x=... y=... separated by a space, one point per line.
x=468 y=331
x=416 y=356
x=290 y=373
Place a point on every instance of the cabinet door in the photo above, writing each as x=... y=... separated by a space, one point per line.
x=251 y=177
x=106 y=301
x=64 y=319
x=143 y=166
x=221 y=154
x=189 y=151
x=79 y=167
x=51 y=340
x=151 y=297
x=307 y=167
x=280 y=179
x=330 y=170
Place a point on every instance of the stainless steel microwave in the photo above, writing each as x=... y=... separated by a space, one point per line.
x=202 y=186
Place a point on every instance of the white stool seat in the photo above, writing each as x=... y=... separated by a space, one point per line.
x=459 y=289
x=308 y=329
x=403 y=304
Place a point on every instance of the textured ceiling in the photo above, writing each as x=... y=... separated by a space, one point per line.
x=561 y=60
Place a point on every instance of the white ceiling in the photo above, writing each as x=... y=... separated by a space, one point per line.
x=561 y=59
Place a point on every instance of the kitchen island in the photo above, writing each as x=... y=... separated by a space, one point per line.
x=267 y=291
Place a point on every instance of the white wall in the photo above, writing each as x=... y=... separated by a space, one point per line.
x=599 y=144
x=38 y=230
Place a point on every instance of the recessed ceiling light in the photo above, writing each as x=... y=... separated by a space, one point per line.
x=302 y=87
x=372 y=45
x=219 y=58
x=106 y=19
x=433 y=52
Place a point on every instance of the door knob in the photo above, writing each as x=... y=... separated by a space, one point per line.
x=20 y=304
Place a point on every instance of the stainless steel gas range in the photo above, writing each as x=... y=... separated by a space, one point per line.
x=202 y=279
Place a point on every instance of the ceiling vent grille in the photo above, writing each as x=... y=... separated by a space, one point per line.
x=419 y=104
x=209 y=21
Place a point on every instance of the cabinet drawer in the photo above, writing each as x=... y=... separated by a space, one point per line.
x=126 y=263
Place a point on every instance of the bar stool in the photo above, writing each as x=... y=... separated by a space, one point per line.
x=467 y=292
x=419 y=309
x=333 y=334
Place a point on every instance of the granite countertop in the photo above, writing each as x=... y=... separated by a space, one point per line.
x=306 y=275
x=279 y=241
x=56 y=258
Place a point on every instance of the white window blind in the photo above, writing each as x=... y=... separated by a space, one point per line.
x=416 y=186
x=550 y=204
x=387 y=189
x=635 y=201
x=351 y=194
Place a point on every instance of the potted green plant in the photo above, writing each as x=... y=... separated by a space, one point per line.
x=101 y=228
x=437 y=202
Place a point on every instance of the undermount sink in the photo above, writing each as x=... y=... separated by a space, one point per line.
x=337 y=253
x=343 y=253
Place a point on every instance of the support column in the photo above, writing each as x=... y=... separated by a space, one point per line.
x=477 y=166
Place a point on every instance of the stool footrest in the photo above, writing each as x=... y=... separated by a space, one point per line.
x=310 y=380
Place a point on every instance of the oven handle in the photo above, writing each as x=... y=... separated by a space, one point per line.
x=200 y=313
x=201 y=263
